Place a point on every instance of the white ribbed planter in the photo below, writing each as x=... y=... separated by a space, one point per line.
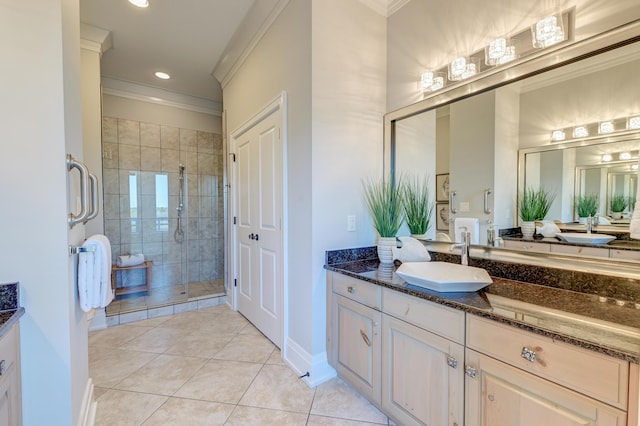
x=528 y=229
x=385 y=250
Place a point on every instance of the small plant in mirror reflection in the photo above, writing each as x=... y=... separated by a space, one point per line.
x=618 y=203
x=586 y=205
x=418 y=208
x=384 y=200
x=535 y=204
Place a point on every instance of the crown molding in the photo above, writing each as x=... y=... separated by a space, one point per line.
x=253 y=27
x=385 y=8
x=95 y=39
x=154 y=95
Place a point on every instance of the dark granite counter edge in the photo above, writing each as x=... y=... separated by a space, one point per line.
x=8 y=319
x=616 y=353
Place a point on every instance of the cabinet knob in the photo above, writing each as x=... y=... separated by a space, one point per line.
x=470 y=371
x=2 y=367
x=491 y=397
x=528 y=354
x=350 y=289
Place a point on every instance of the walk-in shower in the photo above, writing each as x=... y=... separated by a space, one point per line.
x=163 y=196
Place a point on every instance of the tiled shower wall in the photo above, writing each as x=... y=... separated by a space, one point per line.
x=140 y=172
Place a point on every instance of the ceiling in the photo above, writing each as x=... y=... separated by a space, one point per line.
x=184 y=38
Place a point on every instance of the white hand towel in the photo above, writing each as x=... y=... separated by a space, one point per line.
x=412 y=250
x=130 y=260
x=634 y=226
x=94 y=273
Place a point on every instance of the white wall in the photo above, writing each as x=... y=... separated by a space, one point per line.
x=40 y=106
x=147 y=112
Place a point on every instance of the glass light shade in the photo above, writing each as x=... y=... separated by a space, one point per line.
x=162 y=75
x=547 y=31
x=431 y=81
x=499 y=51
x=607 y=157
x=139 y=3
x=634 y=122
x=558 y=135
x=461 y=68
x=580 y=132
x=606 y=127
x=625 y=156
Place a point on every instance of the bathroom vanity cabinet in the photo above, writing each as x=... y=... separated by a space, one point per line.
x=421 y=362
x=10 y=398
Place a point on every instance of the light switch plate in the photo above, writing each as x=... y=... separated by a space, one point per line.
x=464 y=206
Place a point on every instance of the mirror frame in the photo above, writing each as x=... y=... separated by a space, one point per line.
x=545 y=60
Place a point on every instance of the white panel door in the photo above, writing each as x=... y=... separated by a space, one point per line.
x=259 y=225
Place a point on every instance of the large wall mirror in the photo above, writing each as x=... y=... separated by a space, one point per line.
x=492 y=137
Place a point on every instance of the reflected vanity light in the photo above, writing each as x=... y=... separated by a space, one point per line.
x=558 y=135
x=547 y=31
x=606 y=127
x=607 y=157
x=431 y=81
x=580 y=132
x=499 y=51
x=634 y=122
x=634 y=167
x=624 y=156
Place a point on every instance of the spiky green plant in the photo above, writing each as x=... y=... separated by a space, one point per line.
x=418 y=208
x=618 y=203
x=384 y=201
x=586 y=205
x=535 y=204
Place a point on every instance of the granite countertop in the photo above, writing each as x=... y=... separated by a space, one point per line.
x=598 y=323
x=10 y=312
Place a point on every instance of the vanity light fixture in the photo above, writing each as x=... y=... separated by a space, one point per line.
x=624 y=156
x=607 y=157
x=431 y=81
x=634 y=167
x=462 y=67
x=162 y=75
x=139 y=3
x=606 y=127
x=547 y=31
x=634 y=122
x=558 y=135
x=580 y=132
x=499 y=51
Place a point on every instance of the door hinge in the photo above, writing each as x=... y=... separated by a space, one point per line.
x=235 y=282
x=470 y=371
x=233 y=156
x=234 y=220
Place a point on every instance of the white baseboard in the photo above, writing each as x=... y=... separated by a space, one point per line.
x=302 y=362
x=89 y=406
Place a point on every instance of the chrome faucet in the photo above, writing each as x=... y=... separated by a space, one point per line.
x=589 y=224
x=465 y=236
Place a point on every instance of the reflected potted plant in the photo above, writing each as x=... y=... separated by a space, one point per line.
x=534 y=205
x=586 y=206
x=418 y=208
x=384 y=201
x=618 y=204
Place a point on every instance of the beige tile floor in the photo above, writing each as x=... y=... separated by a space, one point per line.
x=209 y=367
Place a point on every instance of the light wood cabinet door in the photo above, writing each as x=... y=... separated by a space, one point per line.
x=422 y=376
x=499 y=394
x=356 y=345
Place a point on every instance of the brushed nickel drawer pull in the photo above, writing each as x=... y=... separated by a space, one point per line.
x=528 y=354
x=365 y=338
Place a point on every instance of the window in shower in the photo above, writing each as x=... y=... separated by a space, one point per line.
x=162 y=203
x=133 y=201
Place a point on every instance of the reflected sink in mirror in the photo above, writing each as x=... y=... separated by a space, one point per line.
x=584 y=238
x=444 y=276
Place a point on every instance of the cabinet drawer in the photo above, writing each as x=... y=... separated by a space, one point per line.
x=9 y=347
x=528 y=246
x=443 y=321
x=624 y=254
x=599 y=376
x=361 y=291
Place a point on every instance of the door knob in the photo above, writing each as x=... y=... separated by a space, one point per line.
x=251 y=236
x=257 y=237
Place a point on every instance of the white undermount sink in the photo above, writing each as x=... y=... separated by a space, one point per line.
x=584 y=238
x=444 y=276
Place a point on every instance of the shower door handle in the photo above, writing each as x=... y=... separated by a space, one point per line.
x=94 y=198
x=73 y=219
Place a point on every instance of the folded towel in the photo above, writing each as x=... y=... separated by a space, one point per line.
x=94 y=273
x=130 y=260
x=412 y=250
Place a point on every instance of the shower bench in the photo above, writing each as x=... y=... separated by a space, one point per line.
x=134 y=288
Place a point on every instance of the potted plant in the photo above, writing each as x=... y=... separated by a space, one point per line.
x=586 y=206
x=618 y=204
x=384 y=201
x=418 y=208
x=534 y=205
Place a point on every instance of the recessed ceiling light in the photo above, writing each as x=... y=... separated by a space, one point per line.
x=163 y=75
x=139 y=3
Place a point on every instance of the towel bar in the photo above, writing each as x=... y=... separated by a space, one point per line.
x=81 y=249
